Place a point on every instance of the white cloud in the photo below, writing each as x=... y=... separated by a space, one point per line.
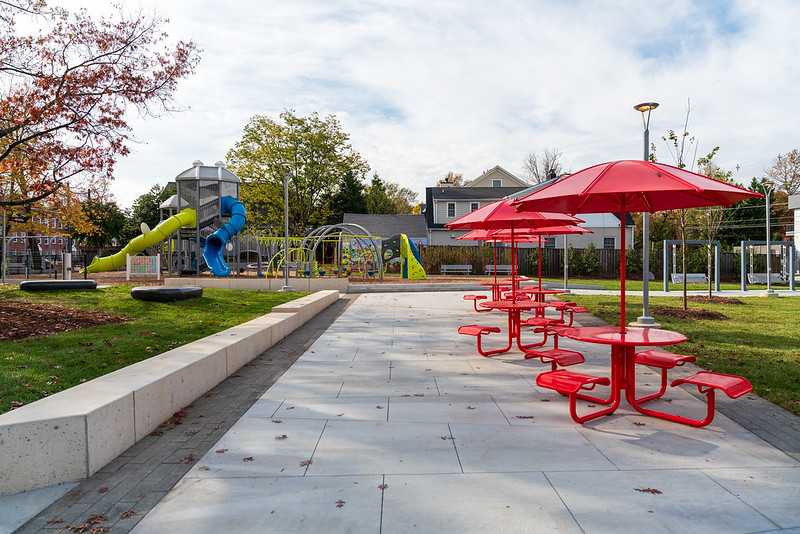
x=429 y=87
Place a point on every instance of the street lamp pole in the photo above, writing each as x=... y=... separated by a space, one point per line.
x=3 y=242
x=284 y=168
x=768 y=188
x=645 y=319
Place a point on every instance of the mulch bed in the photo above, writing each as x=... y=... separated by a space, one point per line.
x=22 y=320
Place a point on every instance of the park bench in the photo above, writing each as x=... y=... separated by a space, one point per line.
x=761 y=278
x=691 y=278
x=460 y=269
x=498 y=269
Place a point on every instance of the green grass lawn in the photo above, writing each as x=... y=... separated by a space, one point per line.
x=36 y=367
x=758 y=341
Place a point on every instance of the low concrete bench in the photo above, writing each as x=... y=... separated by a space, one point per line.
x=691 y=278
x=498 y=269
x=456 y=269
x=71 y=435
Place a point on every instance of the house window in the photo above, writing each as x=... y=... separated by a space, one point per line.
x=549 y=242
x=451 y=209
x=473 y=206
x=609 y=242
x=497 y=182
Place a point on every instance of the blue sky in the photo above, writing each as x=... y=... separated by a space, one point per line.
x=425 y=87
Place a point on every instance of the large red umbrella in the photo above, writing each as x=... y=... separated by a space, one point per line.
x=632 y=186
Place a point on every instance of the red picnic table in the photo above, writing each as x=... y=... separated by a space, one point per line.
x=514 y=310
x=623 y=367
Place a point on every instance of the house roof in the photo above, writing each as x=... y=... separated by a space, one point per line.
x=493 y=172
x=386 y=226
x=472 y=193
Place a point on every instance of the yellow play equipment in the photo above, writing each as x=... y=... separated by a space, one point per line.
x=185 y=218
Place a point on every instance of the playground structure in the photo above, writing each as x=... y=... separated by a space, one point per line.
x=788 y=264
x=202 y=225
x=338 y=250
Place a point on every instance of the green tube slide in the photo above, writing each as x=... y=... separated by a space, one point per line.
x=187 y=217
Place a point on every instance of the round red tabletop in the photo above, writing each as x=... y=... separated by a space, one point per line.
x=523 y=305
x=611 y=335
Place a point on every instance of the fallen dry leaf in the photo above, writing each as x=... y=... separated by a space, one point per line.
x=248 y=459
x=384 y=486
x=530 y=416
x=103 y=490
x=340 y=502
x=282 y=436
x=189 y=458
x=279 y=421
x=203 y=468
x=128 y=514
x=447 y=437
x=220 y=451
x=58 y=521
x=470 y=407
x=651 y=491
x=306 y=463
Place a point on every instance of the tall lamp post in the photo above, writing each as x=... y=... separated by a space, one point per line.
x=645 y=319
x=284 y=169
x=3 y=242
x=768 y=188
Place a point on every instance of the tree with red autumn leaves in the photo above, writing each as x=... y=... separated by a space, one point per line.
x=65 y=93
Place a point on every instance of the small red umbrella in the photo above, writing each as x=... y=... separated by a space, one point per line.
x=502 y=214
x=550 y=230
x=632 y=186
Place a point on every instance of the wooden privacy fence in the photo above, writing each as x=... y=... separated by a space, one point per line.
x=604 y=265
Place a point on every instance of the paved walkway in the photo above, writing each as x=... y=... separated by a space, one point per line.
x=389 y=421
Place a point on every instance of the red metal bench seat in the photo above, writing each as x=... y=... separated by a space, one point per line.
x=475 y=299
x=556 y=357
x=707 y=383
x=479 y=331
x=662 y=360
x=569 y=383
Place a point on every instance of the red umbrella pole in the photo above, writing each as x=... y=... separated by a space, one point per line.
x=622 y=270
x=540 y=262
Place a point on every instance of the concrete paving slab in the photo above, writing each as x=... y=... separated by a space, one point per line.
x=474 y=409
x=287 y=504
x=757 y=487
x=255 y=447
x=654 y=501
x=474 y=503
x=525 y=448
x=361 y=448
x=345 y=409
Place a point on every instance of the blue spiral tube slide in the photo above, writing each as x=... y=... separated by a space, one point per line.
x=215 y=244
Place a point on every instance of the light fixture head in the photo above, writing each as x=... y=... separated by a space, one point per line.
x=645 y=106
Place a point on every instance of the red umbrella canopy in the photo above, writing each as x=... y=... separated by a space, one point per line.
x=522 y=236
x=632 y=186
x=560 y=229
x=503 y=214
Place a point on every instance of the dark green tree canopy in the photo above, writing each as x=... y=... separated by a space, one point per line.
x=348 y=198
